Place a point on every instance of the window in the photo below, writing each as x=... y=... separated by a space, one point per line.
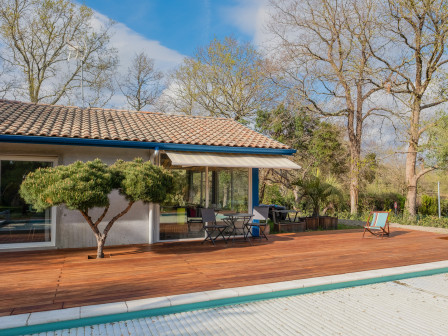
x=19 y=222
x=228 y=191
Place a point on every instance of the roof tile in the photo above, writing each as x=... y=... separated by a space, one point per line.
x=19 y=118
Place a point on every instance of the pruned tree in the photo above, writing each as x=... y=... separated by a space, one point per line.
x=322 y=54
x=85 y=185
x=418 y=32
x=142 y=85
x=36 y=36
x=224 y=79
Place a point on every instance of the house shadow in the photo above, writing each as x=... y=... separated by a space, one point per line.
x=199 y=246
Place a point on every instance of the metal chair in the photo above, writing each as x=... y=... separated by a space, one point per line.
x=210 y=226
x=193 y=217
x=261 y=215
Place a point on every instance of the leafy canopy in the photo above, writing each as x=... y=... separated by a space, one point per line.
x=226 y=78
x=318 y=144
x=142 y=181
x=85 y=185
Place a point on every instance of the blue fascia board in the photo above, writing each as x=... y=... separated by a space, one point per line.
x=140 y=144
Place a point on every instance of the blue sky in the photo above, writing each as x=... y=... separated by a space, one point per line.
x=183 y=25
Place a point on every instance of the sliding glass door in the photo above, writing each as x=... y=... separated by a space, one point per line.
x=180 y=215
x=223 y=189
x=19 y=222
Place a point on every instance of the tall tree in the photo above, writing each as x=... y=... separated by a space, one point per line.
x=319 y=145
x=419 y=30
x=224 y=79
x=36 y=37
x=142 y=84
x=322 y=52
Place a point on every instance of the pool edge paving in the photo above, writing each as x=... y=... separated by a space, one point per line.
x=119 y=311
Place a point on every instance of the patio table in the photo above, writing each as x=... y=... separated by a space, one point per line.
x=232 y=218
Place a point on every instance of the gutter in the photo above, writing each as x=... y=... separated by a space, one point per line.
x=6 y=138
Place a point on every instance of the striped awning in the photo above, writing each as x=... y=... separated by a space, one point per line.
x=230 y=160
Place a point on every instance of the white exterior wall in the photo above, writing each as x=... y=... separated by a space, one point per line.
x=71 y=228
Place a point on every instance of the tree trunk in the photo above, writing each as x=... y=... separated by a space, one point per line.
x=355 y=154
x=411 y=159
x=101 y=240
x=411 y=181
x=262 y=184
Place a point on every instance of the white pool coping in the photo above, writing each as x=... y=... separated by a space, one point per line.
x=29 y=319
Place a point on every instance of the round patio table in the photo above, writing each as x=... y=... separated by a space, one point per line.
x=232 y=218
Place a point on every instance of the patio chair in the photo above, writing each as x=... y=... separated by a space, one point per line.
x=193 y=217
x=210 y=226
x=377 y=224
x=261 y=215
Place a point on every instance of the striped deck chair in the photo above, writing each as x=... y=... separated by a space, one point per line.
x=377 y=224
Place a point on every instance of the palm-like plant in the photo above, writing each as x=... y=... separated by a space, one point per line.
x=321 y=191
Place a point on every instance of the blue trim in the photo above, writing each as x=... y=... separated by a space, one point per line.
x=34 y=329
x=255 y=192
x=140 y=144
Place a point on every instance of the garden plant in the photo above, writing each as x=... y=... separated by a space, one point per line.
x=83 y=186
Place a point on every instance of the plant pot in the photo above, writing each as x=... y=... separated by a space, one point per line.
x=312 y=223
x=328 y=223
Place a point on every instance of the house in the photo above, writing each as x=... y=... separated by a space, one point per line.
x=216 y=160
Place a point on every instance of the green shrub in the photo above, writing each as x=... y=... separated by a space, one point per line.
x=429 y=206
x=273 y=195
x=381 y=201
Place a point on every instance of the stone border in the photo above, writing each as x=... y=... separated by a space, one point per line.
x=76 y=313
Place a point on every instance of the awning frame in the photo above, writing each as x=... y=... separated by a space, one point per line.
x=229 y=160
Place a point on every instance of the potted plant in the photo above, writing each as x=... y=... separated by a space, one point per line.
x=321 y=192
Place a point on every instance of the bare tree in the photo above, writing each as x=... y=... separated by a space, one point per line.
x=35 y=36
x=322 y=54
x=418 y=32
x=142 y=84
x=8 y=82
x=225 y=78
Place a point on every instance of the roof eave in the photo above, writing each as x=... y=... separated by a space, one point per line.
x=6 y=138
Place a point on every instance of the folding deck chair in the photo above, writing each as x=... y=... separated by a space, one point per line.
x=377 y=224
x=210 y=226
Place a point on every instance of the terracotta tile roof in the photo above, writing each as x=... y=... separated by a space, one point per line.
x=19 y=118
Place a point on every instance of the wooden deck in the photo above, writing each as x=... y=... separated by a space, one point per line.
x=45 y=280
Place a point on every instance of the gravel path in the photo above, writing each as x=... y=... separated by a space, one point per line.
x=420 y=228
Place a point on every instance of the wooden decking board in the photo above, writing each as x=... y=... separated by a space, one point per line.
x=45 y=280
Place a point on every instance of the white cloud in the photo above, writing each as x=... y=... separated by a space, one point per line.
x=249 y=16
x=128 y=43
